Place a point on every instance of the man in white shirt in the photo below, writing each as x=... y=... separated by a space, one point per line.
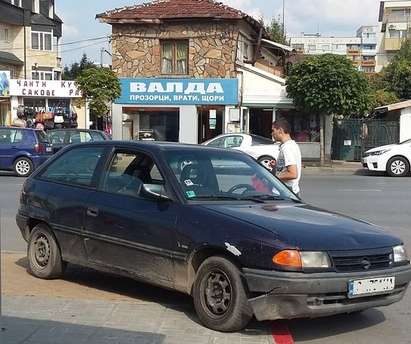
x=288 y=164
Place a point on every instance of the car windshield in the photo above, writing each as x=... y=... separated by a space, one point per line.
x=217 y=175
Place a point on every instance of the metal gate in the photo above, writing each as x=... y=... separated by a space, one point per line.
x=352 y=137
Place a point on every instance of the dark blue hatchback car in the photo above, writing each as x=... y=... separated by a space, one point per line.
x=208 y=222
x=22 y=150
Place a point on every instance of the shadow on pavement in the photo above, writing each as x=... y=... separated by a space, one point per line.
x=21 y=331
x=368 y=173
x=140 y=291
x=310 y=329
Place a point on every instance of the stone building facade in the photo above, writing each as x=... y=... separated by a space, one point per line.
x=212 y=48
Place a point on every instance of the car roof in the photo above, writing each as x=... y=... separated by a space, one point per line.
x=20 y=128
x=74 y=129
x=156 y=146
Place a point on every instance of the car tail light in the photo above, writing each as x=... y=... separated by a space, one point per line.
x=288 y=258
x=40 y=148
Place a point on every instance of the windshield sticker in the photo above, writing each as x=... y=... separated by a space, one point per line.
x=190 y=194
x=188 y=182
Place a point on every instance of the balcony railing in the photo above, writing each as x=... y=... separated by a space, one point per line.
x=368 y=63
x=393 y=44
x=353 y=51
x=397 y=19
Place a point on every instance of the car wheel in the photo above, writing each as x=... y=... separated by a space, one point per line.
x=265 y=161
x=23 y=167
x=44 y=254
x=398 y=167
x=220 y=299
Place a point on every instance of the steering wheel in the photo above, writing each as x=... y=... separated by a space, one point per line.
x=247 y=187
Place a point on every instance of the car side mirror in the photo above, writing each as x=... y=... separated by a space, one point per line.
x=155 y=191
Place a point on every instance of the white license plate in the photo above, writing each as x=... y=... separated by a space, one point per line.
x=49 y=149
x=370 y=286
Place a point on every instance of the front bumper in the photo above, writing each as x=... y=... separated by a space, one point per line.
x=373 y=163
x=287 y=295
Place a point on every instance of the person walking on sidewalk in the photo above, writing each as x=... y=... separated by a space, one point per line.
x=288 y=164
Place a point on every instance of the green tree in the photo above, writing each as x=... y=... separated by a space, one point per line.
x=398 y=73
x=100 y=86
x=381 y=98
x=328 y=85
x=72 y=72
x=276 y=31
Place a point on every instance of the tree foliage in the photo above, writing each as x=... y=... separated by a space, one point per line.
x=276 y=31
x=328 y=84
x=382 y=97
x=397 y=74
x=100 y=86
x=72 y=72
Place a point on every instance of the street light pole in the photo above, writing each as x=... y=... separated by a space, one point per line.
x=283 y=17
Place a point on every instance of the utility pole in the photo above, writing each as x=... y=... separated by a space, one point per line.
x=284 y=18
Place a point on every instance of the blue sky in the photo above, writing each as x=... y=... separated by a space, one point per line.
x=331 y=17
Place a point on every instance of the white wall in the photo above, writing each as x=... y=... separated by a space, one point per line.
x=405 y=124
x=262 y=88
x=188 y=124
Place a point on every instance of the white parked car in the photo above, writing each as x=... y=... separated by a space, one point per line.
x=394 y=159
x=260 y=148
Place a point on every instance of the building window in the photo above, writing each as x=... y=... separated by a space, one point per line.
x=16 y=2
x=4 y=35
x=312 y=47
x=174 y=57
x=42 y=75
x=325 y=47
x=41 y=41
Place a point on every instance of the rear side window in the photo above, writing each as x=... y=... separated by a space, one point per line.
x=259 y=140
x=75 y=167
x=42 y=136
x=57 y=136
x=5 y=136
x=79 y=137
x=97 y=136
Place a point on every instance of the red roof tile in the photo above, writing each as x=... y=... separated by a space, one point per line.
x=174 y=9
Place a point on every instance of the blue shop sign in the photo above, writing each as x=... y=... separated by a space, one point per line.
x=179 y=91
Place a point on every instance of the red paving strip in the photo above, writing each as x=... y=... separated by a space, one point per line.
x=281 y=334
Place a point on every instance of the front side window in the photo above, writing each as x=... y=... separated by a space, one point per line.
x=208 y=175
x=174 y=57
x=129 y=171
x=233 y=141
x=79 y=137
x=75 y=167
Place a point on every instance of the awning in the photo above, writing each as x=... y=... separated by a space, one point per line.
x=277 y=45
x=395 y=106
x=9 y=58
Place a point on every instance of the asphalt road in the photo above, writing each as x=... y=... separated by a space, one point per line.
x=377 y=199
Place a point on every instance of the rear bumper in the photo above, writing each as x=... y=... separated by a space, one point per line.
x=295 y=295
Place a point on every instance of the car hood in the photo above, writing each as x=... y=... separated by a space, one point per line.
x=376 y=149
x=309 y=228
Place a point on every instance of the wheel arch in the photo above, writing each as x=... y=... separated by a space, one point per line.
x=200 y=255
x=398 y=156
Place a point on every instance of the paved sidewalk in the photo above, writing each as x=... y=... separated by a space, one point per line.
x=95 y=308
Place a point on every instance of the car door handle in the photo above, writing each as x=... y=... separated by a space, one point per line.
x=92 y=212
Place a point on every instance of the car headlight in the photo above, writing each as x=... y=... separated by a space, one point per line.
x=380 y=152
x=315 y=260
x=400 y=254
x=302 y=260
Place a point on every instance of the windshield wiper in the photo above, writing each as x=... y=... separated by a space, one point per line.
x=222 y=197
x=265 y=198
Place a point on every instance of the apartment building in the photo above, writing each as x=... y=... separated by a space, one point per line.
x=360 y=49
x=394 y=27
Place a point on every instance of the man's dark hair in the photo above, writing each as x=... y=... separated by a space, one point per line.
x=282 y=124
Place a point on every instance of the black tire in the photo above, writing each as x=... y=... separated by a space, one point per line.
x=43 y=254
x=398 y=166
x=23 y=167
x=231 y=312
x=263 y=160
